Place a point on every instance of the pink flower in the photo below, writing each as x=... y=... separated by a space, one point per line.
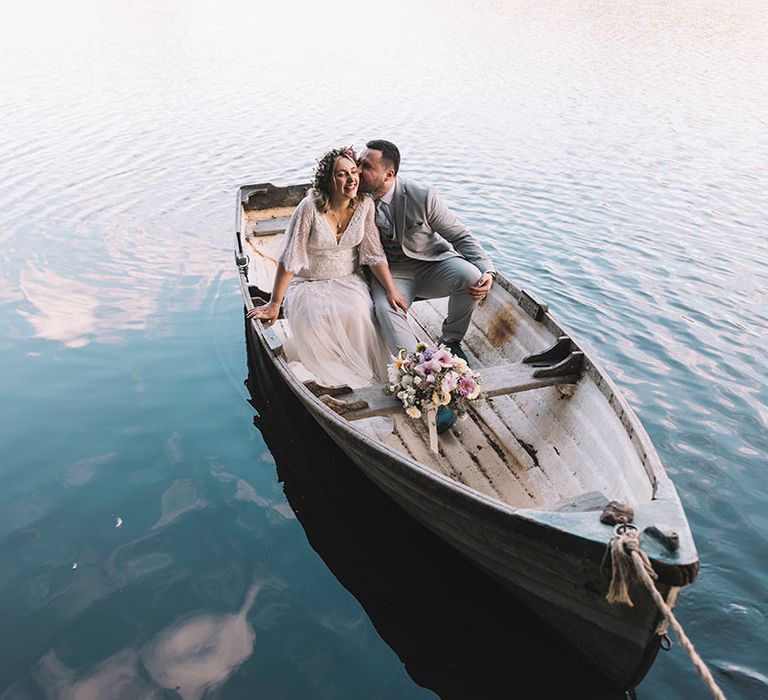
x=450 y=381
x=468 y=387
x=427 y=368
x=444 y=357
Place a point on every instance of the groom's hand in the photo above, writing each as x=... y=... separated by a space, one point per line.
x=480 y=290
x=397 y=300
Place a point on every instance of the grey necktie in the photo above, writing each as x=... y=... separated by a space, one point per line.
x=383 y=219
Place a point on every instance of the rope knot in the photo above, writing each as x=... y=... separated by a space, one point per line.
x=625 y=549
x=625 y=552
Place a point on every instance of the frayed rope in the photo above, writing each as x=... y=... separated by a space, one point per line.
x=630 y=564
x=622 y=547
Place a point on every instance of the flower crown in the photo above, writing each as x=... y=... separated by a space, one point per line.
x=325 y=164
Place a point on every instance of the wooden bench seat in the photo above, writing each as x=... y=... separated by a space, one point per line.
x=269 y=227
x=371 y=401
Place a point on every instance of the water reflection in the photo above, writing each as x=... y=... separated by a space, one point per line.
x=179 y=498
x=457 y=632
x=118 y=284
x=198 y=654
x=135 y=560
x=60 y=309
x=82 y=471
x=192 y=656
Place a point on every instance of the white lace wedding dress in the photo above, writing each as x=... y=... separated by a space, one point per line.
x=328 y=303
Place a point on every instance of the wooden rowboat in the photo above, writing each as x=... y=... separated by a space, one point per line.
x=519 y=486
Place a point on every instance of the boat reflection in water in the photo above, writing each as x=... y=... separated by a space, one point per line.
x=456 y=630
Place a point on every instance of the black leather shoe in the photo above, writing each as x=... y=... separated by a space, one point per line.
x=455 y=347
x=444 y=419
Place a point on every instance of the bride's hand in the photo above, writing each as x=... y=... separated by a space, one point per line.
x=267 y=313
x=397 y=300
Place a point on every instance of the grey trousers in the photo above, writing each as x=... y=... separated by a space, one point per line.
x=427 y=280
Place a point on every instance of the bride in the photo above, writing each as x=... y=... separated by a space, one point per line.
x=327 y=300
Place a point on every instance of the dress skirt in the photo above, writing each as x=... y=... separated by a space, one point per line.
x=333 y=332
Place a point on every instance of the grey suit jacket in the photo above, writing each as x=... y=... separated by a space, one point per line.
x=427 y=230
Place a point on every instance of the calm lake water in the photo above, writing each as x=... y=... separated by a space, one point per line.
x=153 y=542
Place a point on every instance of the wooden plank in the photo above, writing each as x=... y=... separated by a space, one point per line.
x=504 y=379
x=513 y=378
x=457 y=461
x=378 y=403
x=269 y=227
x=491 y=463
x=414 y=436
x=321 y=389
x=466 y=465
x=520 y=464
x=555 y=449
x=529 y=475
x=395 y=442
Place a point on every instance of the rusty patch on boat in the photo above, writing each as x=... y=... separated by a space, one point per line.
x=501 y=327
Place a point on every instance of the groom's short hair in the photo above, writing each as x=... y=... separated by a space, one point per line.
x=389 y=152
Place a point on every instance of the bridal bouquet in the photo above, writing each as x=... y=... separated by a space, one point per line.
x=431 y=377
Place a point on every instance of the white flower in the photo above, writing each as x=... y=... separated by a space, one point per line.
x=413 y=412
x=441 y=398
x=460 y=365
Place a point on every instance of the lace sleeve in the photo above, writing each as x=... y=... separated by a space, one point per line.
x=371 y=251
x=294 y=252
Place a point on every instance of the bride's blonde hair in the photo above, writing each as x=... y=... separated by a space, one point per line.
x=320 y=187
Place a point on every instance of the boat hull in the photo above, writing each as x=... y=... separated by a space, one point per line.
x=557 y=576
x=536 y=532
x=552 y=573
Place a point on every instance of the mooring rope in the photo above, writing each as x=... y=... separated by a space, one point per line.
x=625 y=550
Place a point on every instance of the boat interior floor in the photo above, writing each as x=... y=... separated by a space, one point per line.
x=529 y=450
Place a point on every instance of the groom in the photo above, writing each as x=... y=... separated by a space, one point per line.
x=430 y=253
